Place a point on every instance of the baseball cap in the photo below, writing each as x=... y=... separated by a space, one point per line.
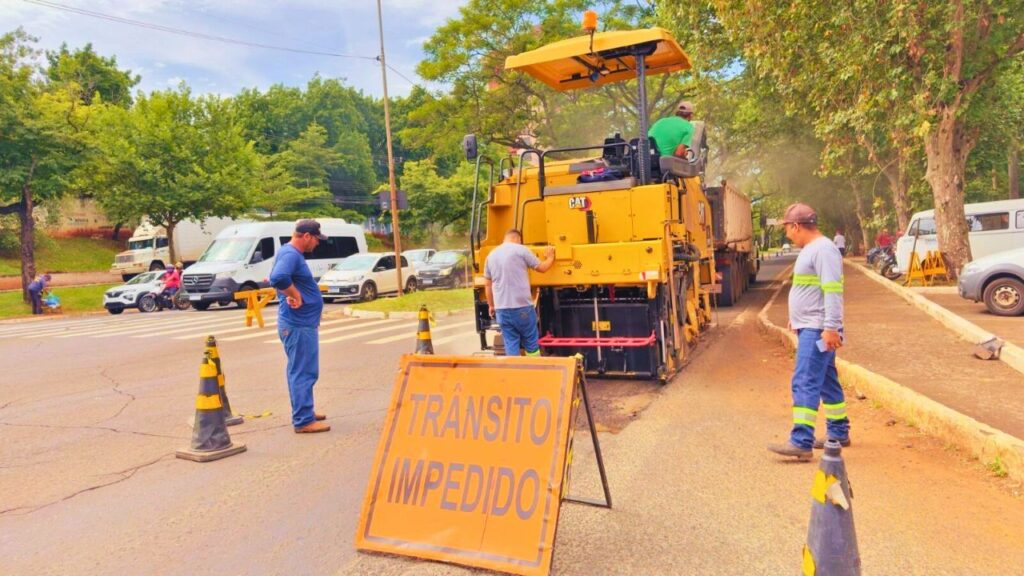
x=685 y=107
x=800 y=213
x=309 y=226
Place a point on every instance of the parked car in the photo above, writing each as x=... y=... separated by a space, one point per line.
x=419 y=256
x=362 y=277
x=447 y=269
x=129 y=294
x=994 y=227
x=998 y=280
x=242 y=256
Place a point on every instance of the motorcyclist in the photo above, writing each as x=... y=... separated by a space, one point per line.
x=171 y=283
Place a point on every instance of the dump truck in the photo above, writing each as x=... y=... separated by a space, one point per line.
x=631 y=288
x=148 y=248
x=736 y=257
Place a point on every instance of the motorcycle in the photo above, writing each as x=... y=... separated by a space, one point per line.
x=886 y=263
x=157 y=301
x=874 y=254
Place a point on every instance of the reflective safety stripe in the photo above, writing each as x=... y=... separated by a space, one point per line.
x=211 y=402
x=534 y=353
x=806 y=280
x=835 y=411
x=805 y=416
x=423 y=335
x=832 y=287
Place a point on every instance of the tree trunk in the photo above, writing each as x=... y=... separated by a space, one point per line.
x=863 y=215
x=899 y=185
x=28 y=251
x=946 y=149
x=1013 y=171
x=117 y=231
x=173 y=257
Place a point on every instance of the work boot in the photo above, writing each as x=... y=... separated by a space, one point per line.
x=819 y=443
x=312 y=428
x=319 y=416
x=788 y=449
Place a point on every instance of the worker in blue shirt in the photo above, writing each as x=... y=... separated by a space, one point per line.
x=35 y=292
x=298 y=323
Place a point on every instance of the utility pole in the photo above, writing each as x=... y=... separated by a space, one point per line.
x=391 y=156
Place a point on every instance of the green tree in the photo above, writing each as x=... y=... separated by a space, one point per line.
x=923 y=68
x=91 y=74
x=173 y=157
x=41 y=141
x=437 y=203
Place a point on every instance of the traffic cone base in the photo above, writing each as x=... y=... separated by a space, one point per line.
x=189 y=454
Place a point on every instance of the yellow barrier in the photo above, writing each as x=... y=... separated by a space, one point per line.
x=926 y=270
x=255 y=300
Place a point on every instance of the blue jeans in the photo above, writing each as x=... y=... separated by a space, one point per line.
x=302 y=346
x=815 y=381
x=518 y=330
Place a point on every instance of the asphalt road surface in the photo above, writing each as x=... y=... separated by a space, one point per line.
x=92 y=410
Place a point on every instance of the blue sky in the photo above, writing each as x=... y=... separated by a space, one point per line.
x=164 y=59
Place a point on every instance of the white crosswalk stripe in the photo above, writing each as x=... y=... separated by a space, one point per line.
x=161 y=327
x=403 y=326
x=163 y=323
x=226 y=323
x=350 y=324
x=271 y=328
x=445 y=328
x=61 y=326
x=454 y=337
x=122 y=326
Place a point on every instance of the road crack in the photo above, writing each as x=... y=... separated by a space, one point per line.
x=89 y=427
x=125 y=474
x=117 y=390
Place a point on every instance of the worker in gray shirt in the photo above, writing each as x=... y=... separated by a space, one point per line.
x=507 y=285
x=816 y=315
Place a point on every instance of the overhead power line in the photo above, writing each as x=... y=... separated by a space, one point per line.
x=189 y=33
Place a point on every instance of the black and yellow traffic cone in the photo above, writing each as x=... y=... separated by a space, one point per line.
x=230 y=418
x=210 y=438
x=424 y=345
x=831 y=548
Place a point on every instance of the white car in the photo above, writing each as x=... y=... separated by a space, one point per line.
x=362 y=277
x=128 y=295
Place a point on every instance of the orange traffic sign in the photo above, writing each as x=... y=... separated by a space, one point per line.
x=471 y=461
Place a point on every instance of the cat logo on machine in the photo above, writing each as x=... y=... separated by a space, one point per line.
x=581 y=203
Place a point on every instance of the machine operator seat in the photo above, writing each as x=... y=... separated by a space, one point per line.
x=696 y=157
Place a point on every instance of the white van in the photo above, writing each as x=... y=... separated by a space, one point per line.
x=995 y=227
x=241 y=257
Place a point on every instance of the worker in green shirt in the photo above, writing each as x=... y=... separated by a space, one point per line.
x=673 y=134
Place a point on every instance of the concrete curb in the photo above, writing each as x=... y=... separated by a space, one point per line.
x=981 y=440
x=1011 y=354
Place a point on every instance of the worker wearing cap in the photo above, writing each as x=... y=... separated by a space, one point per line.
x=816 y=315
x=298 y=322
x=674 y=134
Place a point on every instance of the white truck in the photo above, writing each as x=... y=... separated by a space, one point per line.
x=148 y=248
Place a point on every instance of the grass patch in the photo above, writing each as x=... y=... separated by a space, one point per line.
x=72 y=300
x=997 y=469
x=66 y=255
x=435 y=300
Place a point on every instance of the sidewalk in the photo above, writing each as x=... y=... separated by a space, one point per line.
x=890 y=337
x=65 y=279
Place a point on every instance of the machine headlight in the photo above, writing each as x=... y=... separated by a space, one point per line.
x=447 y=271
x=222 y=275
